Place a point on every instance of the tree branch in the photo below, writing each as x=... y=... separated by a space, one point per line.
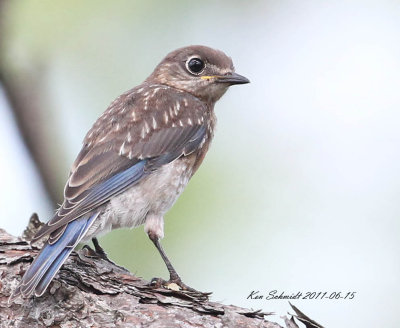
x=91 y=292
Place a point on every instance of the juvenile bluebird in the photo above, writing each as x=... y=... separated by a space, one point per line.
x=136 y=160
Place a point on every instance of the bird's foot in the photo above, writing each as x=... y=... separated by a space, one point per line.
x=177 y=284
x=90 y=252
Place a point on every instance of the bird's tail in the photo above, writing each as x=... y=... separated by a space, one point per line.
x=50 y=259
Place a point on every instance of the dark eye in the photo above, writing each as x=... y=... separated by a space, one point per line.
x=195 y=65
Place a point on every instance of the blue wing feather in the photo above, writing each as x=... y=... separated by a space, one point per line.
x=105 y=190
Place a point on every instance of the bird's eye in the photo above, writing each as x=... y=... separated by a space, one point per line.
x=195 y=66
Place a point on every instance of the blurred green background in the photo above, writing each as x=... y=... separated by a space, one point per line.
x=300 y=189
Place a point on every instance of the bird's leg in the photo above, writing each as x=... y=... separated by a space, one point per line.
x=173 y=275
x=99 y=250
x=154 y=227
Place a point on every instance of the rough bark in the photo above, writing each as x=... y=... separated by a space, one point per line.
x=91 y=292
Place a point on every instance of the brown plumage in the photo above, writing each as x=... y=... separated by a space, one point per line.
x=137 y=158
x=127 y=132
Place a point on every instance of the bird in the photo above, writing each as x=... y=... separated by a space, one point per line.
x=136 y=160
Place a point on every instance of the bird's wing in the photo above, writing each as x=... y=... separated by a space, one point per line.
x=125 y=145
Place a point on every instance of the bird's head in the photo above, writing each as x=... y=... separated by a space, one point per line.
x=202 y=71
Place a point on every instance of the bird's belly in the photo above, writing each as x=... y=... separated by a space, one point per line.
x=154 y=195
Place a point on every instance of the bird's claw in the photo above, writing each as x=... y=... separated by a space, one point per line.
x=90 y=252
x=178 y=285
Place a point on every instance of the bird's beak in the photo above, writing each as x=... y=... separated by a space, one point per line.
x=232 y=78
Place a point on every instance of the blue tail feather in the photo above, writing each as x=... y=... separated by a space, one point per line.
x=51 y=271
x=51 y=257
